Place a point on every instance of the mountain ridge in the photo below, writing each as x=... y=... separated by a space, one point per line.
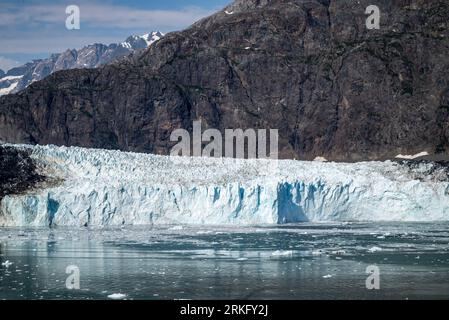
x=90 y=56
x=311 y=69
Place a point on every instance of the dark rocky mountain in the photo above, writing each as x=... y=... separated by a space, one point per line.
x=18 y=172
x=91 y=56
x=2 y=73
x=310 y=68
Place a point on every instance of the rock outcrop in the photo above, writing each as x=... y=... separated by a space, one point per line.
x=18 y=172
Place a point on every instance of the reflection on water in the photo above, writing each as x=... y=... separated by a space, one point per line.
x=304 y=261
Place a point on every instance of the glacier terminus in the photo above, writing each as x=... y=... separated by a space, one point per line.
x=99 y=188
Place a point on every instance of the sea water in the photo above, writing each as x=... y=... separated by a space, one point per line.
x=294 y=261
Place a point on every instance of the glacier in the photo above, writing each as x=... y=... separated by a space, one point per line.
x=99 y=188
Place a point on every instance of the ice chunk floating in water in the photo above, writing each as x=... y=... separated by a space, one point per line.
x=117 y=296
x=102 y=188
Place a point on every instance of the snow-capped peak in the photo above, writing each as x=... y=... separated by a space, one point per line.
x=152 y=37
x=90 y=56
x=140 y=42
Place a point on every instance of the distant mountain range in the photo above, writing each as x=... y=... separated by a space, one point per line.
x=91 y=56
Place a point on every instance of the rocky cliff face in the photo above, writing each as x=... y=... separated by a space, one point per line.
x=18 y=172
x=311 y=69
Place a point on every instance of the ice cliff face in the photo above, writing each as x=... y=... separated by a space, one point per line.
x=102 y=188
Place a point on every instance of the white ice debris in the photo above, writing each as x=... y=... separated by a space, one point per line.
x=103 y=188
x=374 y=249
x=282 y=253
x=7 y=264
x=411 y=157
x=320 y=159
x=117 y=296
x=338 y=252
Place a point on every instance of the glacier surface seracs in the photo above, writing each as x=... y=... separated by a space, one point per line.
x=110 y=188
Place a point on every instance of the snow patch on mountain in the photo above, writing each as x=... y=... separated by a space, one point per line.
x=412 y=156
x=103 y=188
x=8 y=84
x=141 y=42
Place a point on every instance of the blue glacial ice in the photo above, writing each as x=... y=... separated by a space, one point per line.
x=110 y=188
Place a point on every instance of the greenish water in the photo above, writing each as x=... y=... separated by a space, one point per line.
x=302 y=261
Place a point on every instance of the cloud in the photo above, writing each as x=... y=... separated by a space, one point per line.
x=6 y=64
x=36 y=28
x=104 y=16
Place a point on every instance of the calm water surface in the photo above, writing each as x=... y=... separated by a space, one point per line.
x=301 y=261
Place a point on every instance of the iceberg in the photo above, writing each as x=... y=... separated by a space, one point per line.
x=101 y=188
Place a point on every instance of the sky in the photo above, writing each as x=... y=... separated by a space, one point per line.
x=33 y=29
